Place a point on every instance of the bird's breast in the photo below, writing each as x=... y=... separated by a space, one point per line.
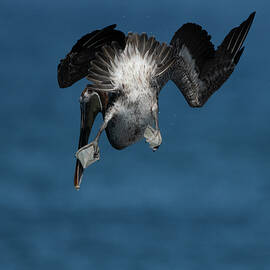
x=127 y=126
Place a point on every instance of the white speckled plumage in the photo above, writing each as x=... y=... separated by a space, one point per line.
x=131 y=74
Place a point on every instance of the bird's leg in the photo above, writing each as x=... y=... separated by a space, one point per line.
x=153 y=136
x=89 y=153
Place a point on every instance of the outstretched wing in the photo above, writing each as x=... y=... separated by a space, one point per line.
x=91 y=104
x=200 y=69
x=77 y=62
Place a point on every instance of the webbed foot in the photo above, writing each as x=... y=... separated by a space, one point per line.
x=88 y=154
x=153 y=137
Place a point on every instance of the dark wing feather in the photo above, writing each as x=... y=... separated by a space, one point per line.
x=76 y=64
x=200 y=69
x=100 y=70
x=197 y=40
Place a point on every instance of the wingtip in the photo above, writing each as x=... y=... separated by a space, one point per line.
x=112 y=26
x=248 y=22
x=251 y=17
x=235 y=39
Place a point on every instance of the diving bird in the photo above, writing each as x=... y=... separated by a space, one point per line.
x=128 y=73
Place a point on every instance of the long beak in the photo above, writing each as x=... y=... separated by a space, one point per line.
x=83 y=140
x=90 y=104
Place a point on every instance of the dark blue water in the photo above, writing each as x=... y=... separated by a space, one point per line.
x=201 y=201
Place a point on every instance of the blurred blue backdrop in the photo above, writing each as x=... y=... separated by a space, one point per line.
x=200 y=202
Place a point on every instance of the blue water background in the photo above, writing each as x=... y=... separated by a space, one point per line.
x=202 y=201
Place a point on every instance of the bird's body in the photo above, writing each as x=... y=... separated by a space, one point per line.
x=130 y=120
x=131 y=106
x=128 y=73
